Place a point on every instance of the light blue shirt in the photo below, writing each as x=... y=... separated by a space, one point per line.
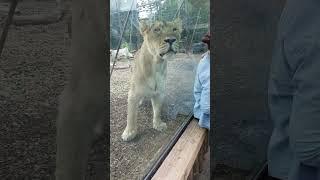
x=201 y=92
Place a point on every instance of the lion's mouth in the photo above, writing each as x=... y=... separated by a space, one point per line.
x=170 y=50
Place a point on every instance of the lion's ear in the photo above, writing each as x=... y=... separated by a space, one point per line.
x=144 y=26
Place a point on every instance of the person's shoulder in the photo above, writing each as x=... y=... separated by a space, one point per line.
x=205 y=58
x=204 y=63
x=204 y=55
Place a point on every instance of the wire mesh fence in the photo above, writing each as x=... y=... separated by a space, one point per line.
x=195 y=21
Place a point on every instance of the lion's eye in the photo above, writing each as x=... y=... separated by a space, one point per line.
x=157 y=29
x=175 y=29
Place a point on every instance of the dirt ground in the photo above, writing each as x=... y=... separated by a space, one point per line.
x=131 y=160
x=33 y=71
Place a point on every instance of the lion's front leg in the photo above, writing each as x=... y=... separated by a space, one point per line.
x=157 y=102
x=131 y=129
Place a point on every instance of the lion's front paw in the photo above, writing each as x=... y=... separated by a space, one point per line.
x=160 y=126
x=128 y=135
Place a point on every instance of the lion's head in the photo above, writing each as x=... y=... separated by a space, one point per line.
x=160 y=37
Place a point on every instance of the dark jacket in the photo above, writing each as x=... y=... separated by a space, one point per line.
x=294 y=94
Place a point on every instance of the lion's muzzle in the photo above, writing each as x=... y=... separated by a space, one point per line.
x=170 y=50
x=170 y=41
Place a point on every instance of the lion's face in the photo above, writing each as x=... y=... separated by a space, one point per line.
x=161 y=37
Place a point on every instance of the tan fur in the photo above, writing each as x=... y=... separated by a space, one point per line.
x=149 y=75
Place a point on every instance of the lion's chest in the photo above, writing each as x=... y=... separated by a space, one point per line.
x=158 y=77
x=149 y=76
x=153 y=81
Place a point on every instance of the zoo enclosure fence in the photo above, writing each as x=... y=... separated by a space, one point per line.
x=195 y=21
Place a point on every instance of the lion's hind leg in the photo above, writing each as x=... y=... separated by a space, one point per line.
x=132 y=127
x=157 y=102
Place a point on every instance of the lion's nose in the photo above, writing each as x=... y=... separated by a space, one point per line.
x=170 y=40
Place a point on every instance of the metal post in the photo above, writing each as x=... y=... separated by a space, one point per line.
x=178 y=10
x=195 y=26
x=119 y=44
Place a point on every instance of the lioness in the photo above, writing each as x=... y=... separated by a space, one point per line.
x=160 y=43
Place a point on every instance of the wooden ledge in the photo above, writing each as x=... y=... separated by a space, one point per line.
x=183 y=161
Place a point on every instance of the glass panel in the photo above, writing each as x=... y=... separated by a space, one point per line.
x=132 y=159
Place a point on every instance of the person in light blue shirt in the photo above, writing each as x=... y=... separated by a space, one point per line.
x=201 y=90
